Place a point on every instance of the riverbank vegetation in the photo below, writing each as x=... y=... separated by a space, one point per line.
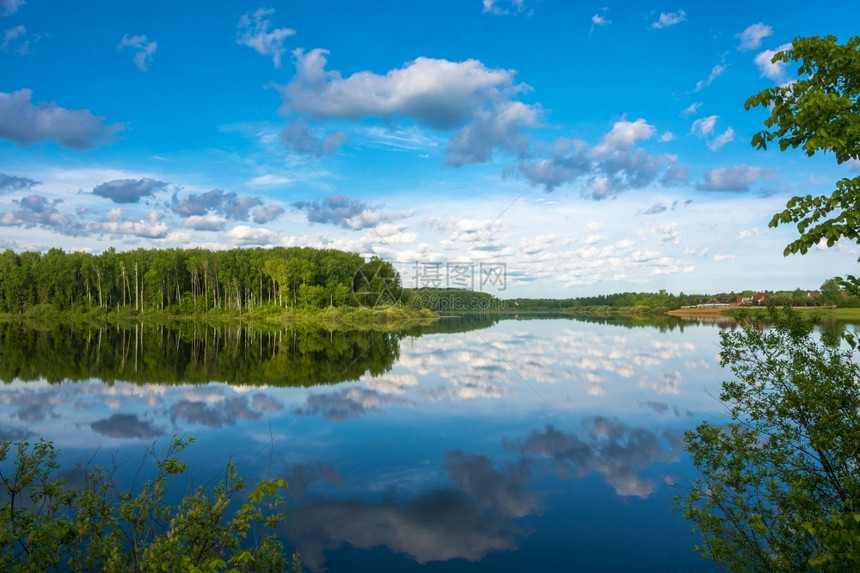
x=53 y=519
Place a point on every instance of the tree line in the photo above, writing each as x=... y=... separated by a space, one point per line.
x=179 y=280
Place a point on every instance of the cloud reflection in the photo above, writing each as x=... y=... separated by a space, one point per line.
x=126 y=426
x=612 y=449
x=346 y=404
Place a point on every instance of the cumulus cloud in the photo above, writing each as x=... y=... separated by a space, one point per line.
x=490 y=129
x=205 y=222
x=299 y=137
x=225 y=203
x=267 y=213
x=129 y=190
x=39 y=211
x=144 y=50
x=737 y=178
x=752 y=36
x=343 y=212
x=149 y=226
x=438 y=93
x=772 y=70
x=716 y=72
x=613 y=165
x=667 y=19
x=26 y=123
x=246 y=236
x=9 y=7
x=10 y=183
x=253 y=31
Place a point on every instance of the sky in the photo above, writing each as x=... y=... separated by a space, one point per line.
x=582 y=148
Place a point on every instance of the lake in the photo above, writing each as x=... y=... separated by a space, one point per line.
x=472 y=443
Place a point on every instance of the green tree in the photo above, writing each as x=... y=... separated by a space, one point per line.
x=48 y=525
x=819 y=112
x=779 y=488
x=831 y=292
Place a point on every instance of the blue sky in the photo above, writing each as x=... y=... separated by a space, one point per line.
x=590 y=148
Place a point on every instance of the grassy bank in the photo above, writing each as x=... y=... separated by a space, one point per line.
x=330 y=317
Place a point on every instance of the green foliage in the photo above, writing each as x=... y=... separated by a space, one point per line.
x=179 y=281
x=191 y=352
x=779 y=488
x=49 y=525
x=831 y=292
x=820 y=111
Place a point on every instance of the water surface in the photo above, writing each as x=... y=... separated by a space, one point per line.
x=470 y=444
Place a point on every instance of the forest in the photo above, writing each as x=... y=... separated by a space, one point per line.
x=180 y=281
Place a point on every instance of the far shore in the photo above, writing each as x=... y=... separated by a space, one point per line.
x=852 y=314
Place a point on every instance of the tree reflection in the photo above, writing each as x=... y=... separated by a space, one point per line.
x=194 y=353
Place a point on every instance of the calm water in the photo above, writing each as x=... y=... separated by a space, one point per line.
x=499 y=445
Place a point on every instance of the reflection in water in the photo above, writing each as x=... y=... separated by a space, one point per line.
x=457 y=450
x=480 y=513
x=463 y=522
x=194 y=353
x=609 y=448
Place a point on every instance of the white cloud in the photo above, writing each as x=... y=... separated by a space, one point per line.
x=245 y=235
x=26 y=123
x=724 y=257
x=441 y=94
x=624 y=135
x=269 y=179
x=253 y=31
x=145 y=50
x=747 y=233
x=205 y=222
x=716 y=72
x=150 y=226
x=615 y=164
x=752 y=36
x=772 y=70
x=667 y=19
x=719 y=141
x=737 y=178
x=667 y=137
x=703 y=127
x=599 y=20
x=505 y=7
